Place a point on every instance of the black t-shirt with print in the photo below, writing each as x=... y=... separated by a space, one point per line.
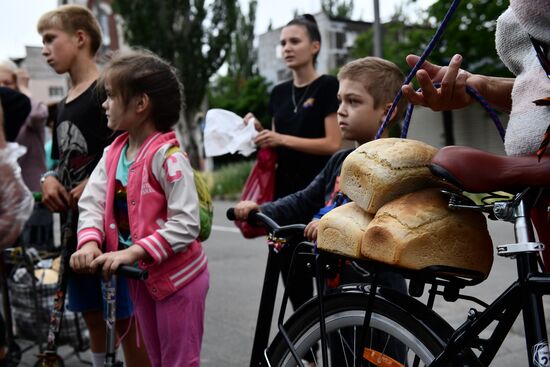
x=295 y=170
x=80 y=135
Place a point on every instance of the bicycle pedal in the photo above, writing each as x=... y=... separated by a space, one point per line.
x=519 y=248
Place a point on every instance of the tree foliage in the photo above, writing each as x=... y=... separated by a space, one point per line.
x=471 y=32
x=193 y=36
x=338 y=8
x=242 y=90
x=241 y=61
x=400 y=38
x=241 y=96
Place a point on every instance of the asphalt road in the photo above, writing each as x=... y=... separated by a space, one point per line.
x=236 y=268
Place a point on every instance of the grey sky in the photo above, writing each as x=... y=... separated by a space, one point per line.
x=19 y=17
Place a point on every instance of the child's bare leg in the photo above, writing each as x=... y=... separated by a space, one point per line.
x=134 y=356
x=96 y=327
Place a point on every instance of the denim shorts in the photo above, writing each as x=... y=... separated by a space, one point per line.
x=84 y=294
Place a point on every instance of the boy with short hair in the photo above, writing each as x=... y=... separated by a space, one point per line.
x=367 y=88
x=71 y=37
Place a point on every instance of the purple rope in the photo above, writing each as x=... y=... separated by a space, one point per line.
x=471 y=91
x=423 y=58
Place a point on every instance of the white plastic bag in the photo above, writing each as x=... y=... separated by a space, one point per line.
x=16 y=201
x=225 y=132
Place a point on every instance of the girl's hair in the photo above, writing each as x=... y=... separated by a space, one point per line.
x=381 y=78
x=133 y=72
x=70 y=19
x=310 y=24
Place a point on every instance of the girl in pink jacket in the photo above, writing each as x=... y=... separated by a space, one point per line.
x=141 y=205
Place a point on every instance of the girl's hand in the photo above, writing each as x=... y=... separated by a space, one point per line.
x=110 y=261
x=54 y=195
x=82 y=259
x=310 y=232
x=244 y=208
x=269 y=138
x=249 y=117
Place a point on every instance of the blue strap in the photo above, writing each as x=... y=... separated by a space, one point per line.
x=471 y=91
x=423 y=58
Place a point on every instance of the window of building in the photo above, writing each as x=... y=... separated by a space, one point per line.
x=340 y=40
x=56 y=91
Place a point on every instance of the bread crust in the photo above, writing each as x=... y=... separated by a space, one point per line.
x=341 y=230
x=384 y=169
x=418 y=230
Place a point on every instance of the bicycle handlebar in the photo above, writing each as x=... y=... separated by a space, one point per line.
x=255 y=217
x=132 y=272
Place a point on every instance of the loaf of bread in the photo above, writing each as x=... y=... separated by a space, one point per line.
x=418 y=230
x=384 y=169
x=341 y=230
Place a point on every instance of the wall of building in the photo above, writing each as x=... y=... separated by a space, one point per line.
x=472 y=127
x=45 y=84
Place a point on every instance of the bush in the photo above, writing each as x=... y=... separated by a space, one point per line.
x=227 y=182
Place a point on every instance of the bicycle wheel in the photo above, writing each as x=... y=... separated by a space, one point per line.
x=398 y=337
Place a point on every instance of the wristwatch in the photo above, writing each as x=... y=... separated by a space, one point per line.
x=46 y=175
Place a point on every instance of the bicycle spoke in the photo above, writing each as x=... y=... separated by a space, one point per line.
x=342 y=341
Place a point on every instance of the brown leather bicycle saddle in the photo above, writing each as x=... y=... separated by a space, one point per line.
x=474 y=170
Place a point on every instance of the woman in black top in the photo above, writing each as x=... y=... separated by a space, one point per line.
x=304 y=128
x=304 y=131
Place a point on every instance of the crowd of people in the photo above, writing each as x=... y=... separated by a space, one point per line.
x=125 y=186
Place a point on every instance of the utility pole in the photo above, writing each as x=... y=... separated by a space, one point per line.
x=378 y=51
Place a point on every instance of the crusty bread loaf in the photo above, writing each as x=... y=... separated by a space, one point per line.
x=418 y=230
x=341 y=230
x=384 y=169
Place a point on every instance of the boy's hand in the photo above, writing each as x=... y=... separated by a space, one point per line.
x=76 y=193
x=82 y=259
x=452 y=93
x=310 y=232
x=110 y=261
x=244 y=208
x=54 y=195
x=249 y=117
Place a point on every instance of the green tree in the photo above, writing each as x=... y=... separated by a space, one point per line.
x=338 y=8
x=241 y=96
x=470 y=32
x=193 y=36
x=241 y=60
x=401 y=37
x=242 y=90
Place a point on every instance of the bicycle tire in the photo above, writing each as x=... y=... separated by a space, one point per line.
x=13 y=356
x=422 y=335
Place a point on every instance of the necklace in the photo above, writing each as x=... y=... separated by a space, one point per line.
x=296 y=105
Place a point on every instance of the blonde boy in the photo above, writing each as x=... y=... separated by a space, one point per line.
x=367 y=88
x=71 y=37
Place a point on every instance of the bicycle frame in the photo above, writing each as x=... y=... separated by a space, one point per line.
x=525 y=295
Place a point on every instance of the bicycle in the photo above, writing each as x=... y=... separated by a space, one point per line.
x=357 y=310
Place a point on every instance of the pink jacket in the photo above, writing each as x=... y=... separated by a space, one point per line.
x=162 y=211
